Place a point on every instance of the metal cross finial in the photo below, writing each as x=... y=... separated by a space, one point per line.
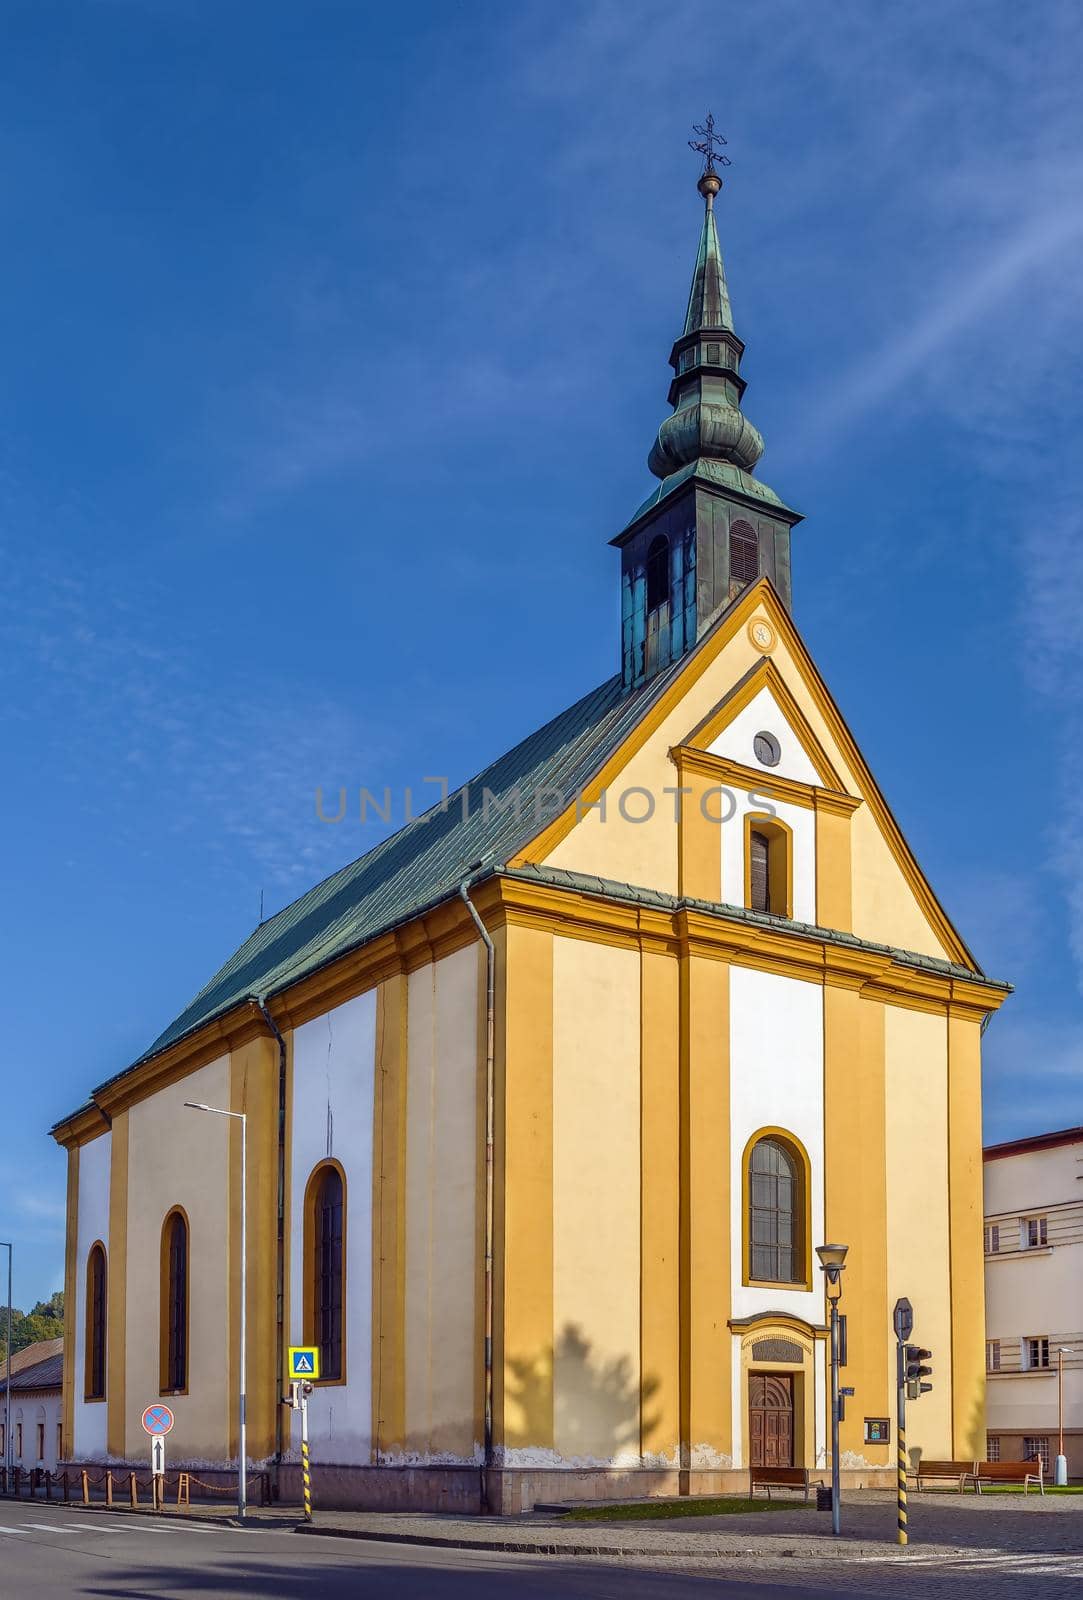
x=706 y=144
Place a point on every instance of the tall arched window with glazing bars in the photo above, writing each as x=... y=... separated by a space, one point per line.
x=325 y=1269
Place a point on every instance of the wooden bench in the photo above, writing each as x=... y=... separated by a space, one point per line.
x=956 y=1472
x=777 y=1478
x=1024 y=1472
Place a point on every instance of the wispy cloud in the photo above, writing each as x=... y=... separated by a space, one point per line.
x=1046 y=1057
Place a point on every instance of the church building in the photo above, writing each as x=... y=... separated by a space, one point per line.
x=552 y=1096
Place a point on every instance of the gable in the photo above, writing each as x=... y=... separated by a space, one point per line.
x=751 y=673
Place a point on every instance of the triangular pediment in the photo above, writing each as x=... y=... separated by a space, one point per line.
x=751 y=666
x=762 y=704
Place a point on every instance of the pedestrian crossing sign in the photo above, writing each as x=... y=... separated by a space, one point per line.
x=304 y=1362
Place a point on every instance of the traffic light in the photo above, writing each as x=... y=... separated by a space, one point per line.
x=914 y=1371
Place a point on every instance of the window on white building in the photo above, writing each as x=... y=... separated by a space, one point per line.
x=992 y=1447
x=992 y=1238
x=1034 y=1233
x=992 y=1357
x=1036 y=1352
x=1039 y=1447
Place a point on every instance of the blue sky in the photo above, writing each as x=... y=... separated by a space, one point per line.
x=334 y=340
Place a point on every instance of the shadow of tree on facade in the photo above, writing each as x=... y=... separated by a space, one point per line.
x=592 y=1406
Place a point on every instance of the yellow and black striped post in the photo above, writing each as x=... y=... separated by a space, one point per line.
x=306 y=1480
x=903 y=1534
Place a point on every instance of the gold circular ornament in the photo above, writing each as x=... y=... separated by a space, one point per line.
x=762 y=635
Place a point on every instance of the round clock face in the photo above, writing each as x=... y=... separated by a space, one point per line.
x=762 y=634
x=767 y=749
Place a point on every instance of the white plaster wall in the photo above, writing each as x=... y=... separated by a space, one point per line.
x=776 y=1080
x=93 y=1224
x=802 y=824
x=819 y=1356
x=31 y=1410
x=762 y=715
x=332 y=1108
x=738 y=1380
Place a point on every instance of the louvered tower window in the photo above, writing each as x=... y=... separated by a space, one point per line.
x=744 y=555
x=759 y=849
x=657 y=574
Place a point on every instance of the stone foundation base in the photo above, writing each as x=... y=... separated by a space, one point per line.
x=514 y=1490
x=467 y=1491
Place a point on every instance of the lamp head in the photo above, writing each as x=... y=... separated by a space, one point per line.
x=832 y=1262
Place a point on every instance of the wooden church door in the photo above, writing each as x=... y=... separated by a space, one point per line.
x=770 y=1419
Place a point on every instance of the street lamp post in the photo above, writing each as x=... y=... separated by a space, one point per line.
x=1060 y=1470
x=242 y=1430
x=7 y=1381
x=832 y=1263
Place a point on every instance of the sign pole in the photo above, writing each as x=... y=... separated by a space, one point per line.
x=157 y=1469
x=242 y=1399
x=903 y=1536
x=306 y=1476
x=903 y=1321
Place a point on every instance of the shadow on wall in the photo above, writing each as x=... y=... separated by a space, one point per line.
x=590 y=1406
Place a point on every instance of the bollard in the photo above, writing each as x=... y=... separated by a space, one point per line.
x=48 y=1484
x=133 y=1490
x=85 y=1483
x=108 y=1487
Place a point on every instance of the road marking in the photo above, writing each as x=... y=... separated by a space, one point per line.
x=48 y=1527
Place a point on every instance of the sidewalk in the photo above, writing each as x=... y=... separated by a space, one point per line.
x=942 y=1526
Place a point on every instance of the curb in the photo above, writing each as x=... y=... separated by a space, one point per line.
x=538 y=1547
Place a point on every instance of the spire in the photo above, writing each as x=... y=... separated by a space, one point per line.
x=709 y=300
x=709 y=528
x=707 y=422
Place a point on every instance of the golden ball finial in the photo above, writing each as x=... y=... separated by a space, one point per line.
x=709 y=185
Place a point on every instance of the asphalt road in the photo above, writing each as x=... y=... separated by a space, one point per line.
x=47 y=1551
x=51 y=1551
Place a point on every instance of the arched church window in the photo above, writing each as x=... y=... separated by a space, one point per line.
x=776 y=1212
x=657 y=573
x=325 y=1230
x=173 y=1356
x=768 y=866
x=744 y=555
x=94 y=1374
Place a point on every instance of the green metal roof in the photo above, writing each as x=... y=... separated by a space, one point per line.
x=722 y=474
x=709 y=299
x=424 y=862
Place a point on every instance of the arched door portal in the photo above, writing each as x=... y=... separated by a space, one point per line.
x=770 y=1419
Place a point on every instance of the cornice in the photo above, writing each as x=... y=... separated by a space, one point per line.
x=760 y=781
x=598 y=914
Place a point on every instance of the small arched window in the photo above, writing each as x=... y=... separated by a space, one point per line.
x=174 y=1304
x=657 y=574
x=94 y=1373
x=744 y=556
x=776 y=1209
x=768 y=866
x=325 y=1290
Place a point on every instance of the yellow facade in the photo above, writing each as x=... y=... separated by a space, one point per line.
x=631 y=1332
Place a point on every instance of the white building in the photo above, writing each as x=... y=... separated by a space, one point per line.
x=36 y=1412
x=1034 y=1297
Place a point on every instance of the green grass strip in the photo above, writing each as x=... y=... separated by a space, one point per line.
x=729 y=1506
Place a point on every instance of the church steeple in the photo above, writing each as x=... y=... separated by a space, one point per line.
x=710 y=528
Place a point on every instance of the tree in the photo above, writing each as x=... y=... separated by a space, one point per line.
x=44 y=1321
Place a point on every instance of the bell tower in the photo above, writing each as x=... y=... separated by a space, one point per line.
x=710 y=528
